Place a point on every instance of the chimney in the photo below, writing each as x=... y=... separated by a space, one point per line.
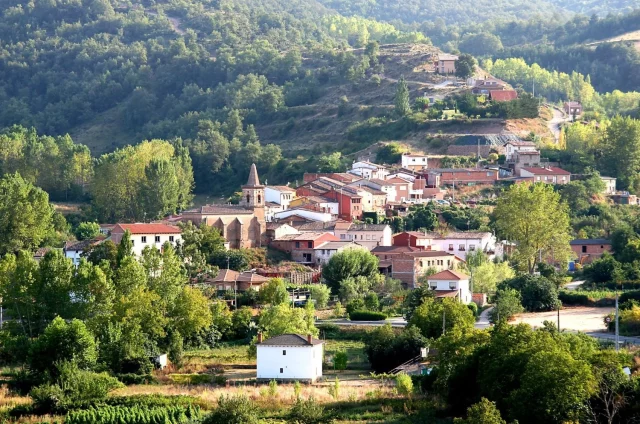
x=309 y=339
x=260 y=337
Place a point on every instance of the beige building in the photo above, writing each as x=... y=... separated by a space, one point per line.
x=446 y=63
x=243 y=225
x=367 y=235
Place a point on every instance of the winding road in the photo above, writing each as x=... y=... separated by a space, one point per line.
x=555 y=124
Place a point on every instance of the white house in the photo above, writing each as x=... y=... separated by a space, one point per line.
x=450 y=283
x=305 y=213
x=609 y=185
x=460 y=243
x=513 y=147
x=324 y=252
x=414 y=162
x=367 y=235
x=378 y=184
x=289 y=357
x=74 y=249
x=143 y=235
x=282 y=195
x=368 y=170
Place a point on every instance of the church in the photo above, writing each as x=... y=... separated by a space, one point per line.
x=243 y=225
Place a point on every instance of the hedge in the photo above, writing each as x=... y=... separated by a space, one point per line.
x=134 y=415
x=585 y=298
x=367 y=316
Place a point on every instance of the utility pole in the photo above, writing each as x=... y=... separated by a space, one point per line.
x=617 y=322
x=559 y=318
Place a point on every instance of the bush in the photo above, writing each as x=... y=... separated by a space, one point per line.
x=387 y=348
x=367 y=316
x=507 y=304
x=355 y=305
x=404 y=384
x=131 y=378
x=473 y=308
x=538 y=293
x=307 y=412
x=320 y=295
x=134 y=415
x=631 y=295
x=340 y=360
x=234 y=410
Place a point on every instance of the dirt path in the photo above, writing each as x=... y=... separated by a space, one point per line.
x=555 y=125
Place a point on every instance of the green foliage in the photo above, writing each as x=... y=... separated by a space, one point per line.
x=340 y=360
x=135 y=415
x=537 y=293
x=241 y=321
x=234 y=410
x=431 y=316
x=390 y=153
x=320 y=295
x=507 y=304
x=274 y=292
x=349 y=264
x=282 y=319
x=543 y=231
x=307 y=412
x=415 y=298
x=333 y=162
x=483 y=412
x=87 y=230
x=402 y=101
x=334 y=389
x=387 y=348
x=26 y=217
x=367 y=316
x=465 y=66
x=404 y=385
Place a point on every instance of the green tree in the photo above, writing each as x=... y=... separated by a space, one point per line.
x=621 y=152
x=349 y=264
x=389 y=153
x=488 y=275
x=283 y=318
x=483 y=412
x=105 y=251
x=331 y=163
x=25 y=215
x=507 y=304
x=274 y=292
x=340 y=360
x=537 y=293
x=62 y=341
x=125 y=248
x=160 y=191
x=241 y=321
x=480 y=44
x=532 y=216
x=555 y=387
x=432 y=315
x=191 y=312
x=221 y=317
x=465 y=66
x=402 y=101
x=87 y=230
x=320 y=295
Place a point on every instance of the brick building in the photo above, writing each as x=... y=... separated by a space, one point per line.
x=410 y=267
x=461 y=176
x=301 y=246
x=588 y=250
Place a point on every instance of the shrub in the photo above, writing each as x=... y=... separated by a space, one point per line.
x=404 y=384
x=387 y=348
x=507 y=304
x=133 y=415
x=538 y=293
x=367 y=316
x=473 y=308
x=131 y=378
x=334 y=389
x=234 y=410
x=340 y=360
x=355 y=305
x=320 y=295
x=307 y=412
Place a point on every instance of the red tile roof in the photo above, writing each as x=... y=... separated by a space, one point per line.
x=448 y=275
x=446 y=293
x=503 y=95
x=146 y=229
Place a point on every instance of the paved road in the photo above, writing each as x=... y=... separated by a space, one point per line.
x=559 y=118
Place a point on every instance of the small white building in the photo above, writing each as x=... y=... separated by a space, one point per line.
x=414 y=162
x=368 y=170
x=461 y=242
x=324 y=252
x=74 y=250
x=378 y=184
x=367 y=235
x=289 y=357
x=513 y=147
x=450 y=283
x=282 y=195
x=609 y=185
x=305 y=213
x=143 y=235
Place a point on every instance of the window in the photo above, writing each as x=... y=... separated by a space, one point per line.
x=451 y=247
x=472 y=247
x=461 y=248
x=157 y=239
x=368 y=237
x=281 y=370
x=343 y=236
x=310 y=244
x=171 y=238
x=421 y=265
x=133 y=242
x=448 y=262
x=361 y=237
x=538 y=178
x=297 y=245
x=584 y=249
x=284 y=352
x=259 y=199
x=452 y=286
x=433 y=286
x=144 y=239
x=248 y=199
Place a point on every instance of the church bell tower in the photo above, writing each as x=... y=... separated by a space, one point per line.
x=253 y=191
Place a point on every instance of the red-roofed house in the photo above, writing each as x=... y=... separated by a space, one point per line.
x=503 y=95
x=449 y=283
x=422 y=241
x=549 y=175
x=302 y=246
x=143 y=235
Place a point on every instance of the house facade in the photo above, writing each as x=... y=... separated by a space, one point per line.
x=422 y=241
x=609 y=185
x=410 y=267
x=446 y=63
x=462 y=242
x=461 y=176
x=368 y=235
x=588 y=250
x=302 y=246
x=369 y=170
x=549 y=175
x=325 y=251
x=414 y=162
x=512 y=148
x=573 y=108
x=74 y=250
x=147 y=235
x=282 y=195
x=449 y=283
x=289 y=357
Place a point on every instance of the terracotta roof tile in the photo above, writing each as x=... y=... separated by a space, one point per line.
x=448 y=275
x=146 y=229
